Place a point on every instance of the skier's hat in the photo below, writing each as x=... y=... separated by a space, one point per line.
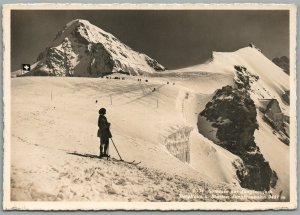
x=102 y=111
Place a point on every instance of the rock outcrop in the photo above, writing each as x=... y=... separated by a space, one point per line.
x=233 y=113
x=243 y=79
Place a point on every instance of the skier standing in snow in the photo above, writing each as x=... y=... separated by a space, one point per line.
x=103 y=132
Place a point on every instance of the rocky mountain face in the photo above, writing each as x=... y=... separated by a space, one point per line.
x=283 y=62
x=83 y=49
x=233 y=113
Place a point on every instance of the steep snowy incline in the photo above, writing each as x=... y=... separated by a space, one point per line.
x=249 y=57
x=83 y=49
x=272 y=83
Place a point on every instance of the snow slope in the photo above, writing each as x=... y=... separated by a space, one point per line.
x=272 y=83
x=277 y=153
x=53 y=117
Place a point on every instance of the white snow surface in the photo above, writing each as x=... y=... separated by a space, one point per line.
x=52 y=117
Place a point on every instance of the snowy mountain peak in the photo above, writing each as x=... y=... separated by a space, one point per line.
x=83 y=49
x=77 y=22
x=83 y=21
x=83 y=28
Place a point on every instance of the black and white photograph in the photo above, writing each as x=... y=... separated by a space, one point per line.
x=149 y=107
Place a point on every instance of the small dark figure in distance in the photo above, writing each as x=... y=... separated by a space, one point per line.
x=103 y=132
x=96 y=101
x=123 y=78
x=146 y=80
x=167 y=82
x=153 y=89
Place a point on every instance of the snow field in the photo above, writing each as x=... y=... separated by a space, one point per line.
x=46 y=130
x=52 y=117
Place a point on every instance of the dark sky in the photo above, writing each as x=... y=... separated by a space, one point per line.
x=174 y=38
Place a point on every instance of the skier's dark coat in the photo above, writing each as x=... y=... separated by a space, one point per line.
x=103 y=131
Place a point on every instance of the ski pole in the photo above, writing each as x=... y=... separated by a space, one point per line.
x=116 y=149
x=108 y=152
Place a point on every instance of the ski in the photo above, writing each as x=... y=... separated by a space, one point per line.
x=104 y=158
x=133 y=162
x=128 y=162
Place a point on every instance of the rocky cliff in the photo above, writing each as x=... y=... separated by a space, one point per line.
x=232 y=113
